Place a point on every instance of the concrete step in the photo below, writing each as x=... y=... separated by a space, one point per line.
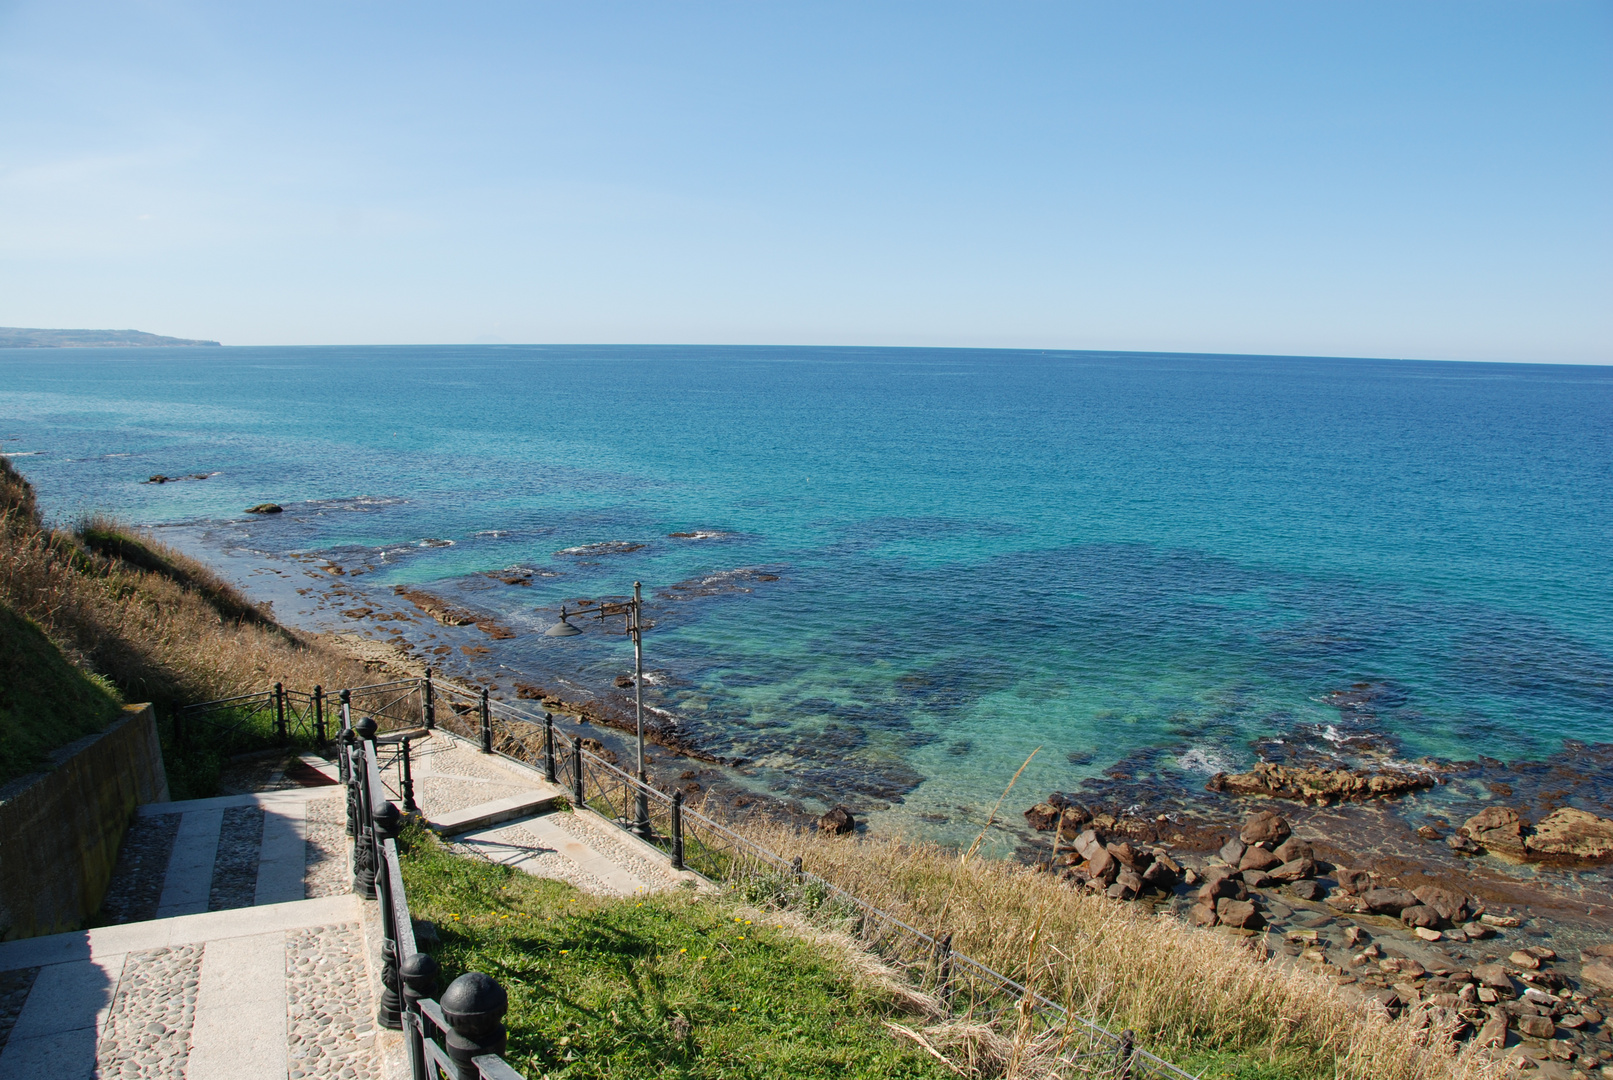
x=486 y=814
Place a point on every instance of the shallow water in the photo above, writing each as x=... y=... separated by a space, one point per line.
x=976 y=553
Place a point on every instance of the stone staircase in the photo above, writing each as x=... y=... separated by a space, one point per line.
x=235 y=947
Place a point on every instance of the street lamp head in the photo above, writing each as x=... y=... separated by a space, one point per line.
x=562 y=628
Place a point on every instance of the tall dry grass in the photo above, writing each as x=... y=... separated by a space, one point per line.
x=159 y=624
x=1181 y=989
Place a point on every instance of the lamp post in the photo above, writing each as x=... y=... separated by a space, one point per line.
x=633 y=611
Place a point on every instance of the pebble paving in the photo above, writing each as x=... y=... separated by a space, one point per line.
x=546 y=863
x=331 y=1030
x=147 y=1034
x=14 y=987
x=235 y=867
x=142 y=864
x=326 y=872
x=655 y=875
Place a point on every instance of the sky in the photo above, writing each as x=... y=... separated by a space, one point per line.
x=1399 y=179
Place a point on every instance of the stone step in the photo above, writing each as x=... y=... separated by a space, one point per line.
x=486 y=814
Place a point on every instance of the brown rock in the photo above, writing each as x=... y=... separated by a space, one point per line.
x=1571 y=834
x=1353 y=881
x=1389 y=901
x=1042 y=817
x=1477 y=931
x=1307 y=890
x=1103 y=866
x=1258 y=858
x=1598 y=973
x=1521 y=959
x=1127 y=854
x=1452 y=906
x=1293 y=849
x=1462 y=844
x=1072 y=820
x=1201 y=915
x=1536 y=1027
x=1087 y=843
x=1428 y=832
x=1219 y=887
x=1239 y=913
x=1126 y=886
x=1264 y=827
x=1232 y=851
x=1497 y=828
x=1161 y=873
x=1493 y=1035
x=1421 y=916
x=1256 y=879
x=1294 y=871
x=1495 y=977
x=1315 y=785
x=837 y=822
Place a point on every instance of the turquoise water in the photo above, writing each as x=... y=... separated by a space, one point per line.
x=977 y=552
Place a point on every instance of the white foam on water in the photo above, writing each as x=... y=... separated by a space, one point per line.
x=1203 y=759
x=433 y=542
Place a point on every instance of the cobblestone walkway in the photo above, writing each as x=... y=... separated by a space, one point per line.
x=452 y=777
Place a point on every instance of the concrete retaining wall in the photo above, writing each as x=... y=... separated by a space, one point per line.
x=60 y=830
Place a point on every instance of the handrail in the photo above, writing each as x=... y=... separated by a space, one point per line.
x=460 y=1035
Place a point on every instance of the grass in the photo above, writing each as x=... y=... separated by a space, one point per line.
x=1190 y=995
x=45 y=701
x=670 y=985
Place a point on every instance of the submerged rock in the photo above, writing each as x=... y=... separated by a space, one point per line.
x=261 y=508
x=1265 y=827
x=1316 y=785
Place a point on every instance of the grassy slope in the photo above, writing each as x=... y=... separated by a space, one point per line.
x=45 y=701
x=670 y=986
x=156 y=624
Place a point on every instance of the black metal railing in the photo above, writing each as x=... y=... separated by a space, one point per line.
x=693 y=840
x=460 y=1035
x=273 y=717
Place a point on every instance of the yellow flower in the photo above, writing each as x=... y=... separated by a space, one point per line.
x=564 y=951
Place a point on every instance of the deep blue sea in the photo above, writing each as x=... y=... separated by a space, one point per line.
x=976 y=552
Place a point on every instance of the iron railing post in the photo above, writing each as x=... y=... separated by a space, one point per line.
x=280 y=711
x=409 y=805
x=364 y=863
x=319 y=715
x=487 y=725
x=430 y=704
x=576 y=773
x=677 y=830
x=1128 y=1053
x=548 y=747
x=419 y=975
x=384 y=826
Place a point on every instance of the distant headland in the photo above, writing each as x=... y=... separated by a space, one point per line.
x=19 y=337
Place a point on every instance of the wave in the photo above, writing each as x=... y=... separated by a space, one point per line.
x=603 y=547
x=1204 y=759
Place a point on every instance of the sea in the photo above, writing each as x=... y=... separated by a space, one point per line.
x=887 y=577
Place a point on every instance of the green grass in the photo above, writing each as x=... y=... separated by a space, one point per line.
x=1216 y=1065
x=671 y=985
x=45 y=701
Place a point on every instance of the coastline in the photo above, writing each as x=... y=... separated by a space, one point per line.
x=1564 y=907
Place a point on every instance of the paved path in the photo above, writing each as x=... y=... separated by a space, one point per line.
x=455 y=781
x=237 y=949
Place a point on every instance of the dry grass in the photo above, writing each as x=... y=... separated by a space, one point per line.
x=1182 y=990
x=159 y=625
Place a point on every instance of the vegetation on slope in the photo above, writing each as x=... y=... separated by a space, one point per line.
x=156 y=624
x=669 y=985
x=45 y=701
x=1201 y=997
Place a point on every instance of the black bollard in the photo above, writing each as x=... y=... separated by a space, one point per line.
x=487 y=725
x=319 y=716
x=576 y=773
x=408 y=782
x=419 y=975
x=474 y=1005
x=430 y=708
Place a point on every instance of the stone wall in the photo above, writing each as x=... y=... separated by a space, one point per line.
x=60 y=829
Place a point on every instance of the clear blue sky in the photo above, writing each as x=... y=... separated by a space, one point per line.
x=1397 y=179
